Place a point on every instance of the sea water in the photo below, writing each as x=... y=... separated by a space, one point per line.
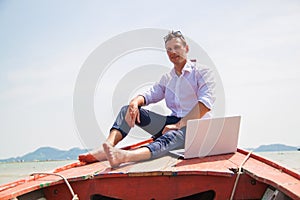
x=289 y=159
x=14 y=171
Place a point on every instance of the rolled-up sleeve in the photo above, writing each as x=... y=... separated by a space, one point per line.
x=206 y=87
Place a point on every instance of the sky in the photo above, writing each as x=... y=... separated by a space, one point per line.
x=255 y=46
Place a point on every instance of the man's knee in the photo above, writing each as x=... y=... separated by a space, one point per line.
x=124 y=109
x=175 y=135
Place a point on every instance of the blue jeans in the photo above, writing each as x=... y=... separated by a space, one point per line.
x=154 y=124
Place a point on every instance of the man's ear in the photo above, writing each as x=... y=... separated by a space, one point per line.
x=187 y=48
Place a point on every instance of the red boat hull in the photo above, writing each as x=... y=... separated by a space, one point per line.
x=159 y=187
x=212 y=177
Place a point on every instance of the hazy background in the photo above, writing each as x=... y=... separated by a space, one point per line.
x=255 y=46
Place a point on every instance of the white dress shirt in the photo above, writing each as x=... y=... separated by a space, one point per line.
x=183 y=92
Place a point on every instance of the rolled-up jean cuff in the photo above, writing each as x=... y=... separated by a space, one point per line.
x=151 y=149
x=171 y=140
x=122 y=132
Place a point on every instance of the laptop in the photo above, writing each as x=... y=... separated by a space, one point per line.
x=208 y=137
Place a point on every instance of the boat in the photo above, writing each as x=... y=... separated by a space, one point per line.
x=238 y=175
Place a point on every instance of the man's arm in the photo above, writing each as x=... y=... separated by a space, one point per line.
x=197 y=112
x=137 y=101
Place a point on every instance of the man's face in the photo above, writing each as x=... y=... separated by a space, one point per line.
x=176 y=51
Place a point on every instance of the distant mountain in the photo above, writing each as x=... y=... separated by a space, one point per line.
x=47 y=154
x=275 y=147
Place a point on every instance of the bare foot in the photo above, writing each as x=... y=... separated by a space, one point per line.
x=93 y=156
x=114 y=156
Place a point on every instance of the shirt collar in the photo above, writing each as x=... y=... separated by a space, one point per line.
x=187 y=67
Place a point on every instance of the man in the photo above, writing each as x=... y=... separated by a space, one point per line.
x=188 y=92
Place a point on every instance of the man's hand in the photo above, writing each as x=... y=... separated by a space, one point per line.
x=176 y=126
x=132 y=114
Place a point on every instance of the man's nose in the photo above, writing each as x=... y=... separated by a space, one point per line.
x=172 y=50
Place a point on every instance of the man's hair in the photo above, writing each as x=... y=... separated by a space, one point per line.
x=175 y=34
